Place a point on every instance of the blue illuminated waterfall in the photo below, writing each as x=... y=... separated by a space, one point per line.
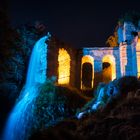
x=20 y=120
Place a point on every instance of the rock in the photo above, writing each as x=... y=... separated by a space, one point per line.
x=137 y=94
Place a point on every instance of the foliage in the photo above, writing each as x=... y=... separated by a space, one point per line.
x=127 y=84
x=89 y=104
x=112 y=40
x=15 y=48
x=133 y=17
x=125 y=123
x=29 y=34
x=121 y=88
x=11 y=61
x=11 y=65
x=54 y=104
x=120 y=116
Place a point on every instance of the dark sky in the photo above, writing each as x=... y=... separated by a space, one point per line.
x=82 y=23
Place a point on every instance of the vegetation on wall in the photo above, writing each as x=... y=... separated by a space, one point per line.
x=133 y=17
x=112 y=40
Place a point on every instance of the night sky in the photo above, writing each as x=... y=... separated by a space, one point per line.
x=81 y=23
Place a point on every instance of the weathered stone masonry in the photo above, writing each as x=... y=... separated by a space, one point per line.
x=121 y=60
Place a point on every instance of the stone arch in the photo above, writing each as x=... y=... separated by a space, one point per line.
x=63 y=67
x=109 y=64
x=87 y=62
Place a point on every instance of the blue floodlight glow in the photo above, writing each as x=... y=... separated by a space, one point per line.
x=20 y=120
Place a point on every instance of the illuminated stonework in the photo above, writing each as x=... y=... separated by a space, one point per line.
x=138 y=57
x=85 y=68
x=87 y=59
x=123 y=60
x=111 y=60
x=63 y=67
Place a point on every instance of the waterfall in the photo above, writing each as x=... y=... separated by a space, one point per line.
x=20 y=120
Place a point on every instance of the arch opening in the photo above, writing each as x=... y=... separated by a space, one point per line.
x=87 y=72
x=63 y=67
x=108 y=68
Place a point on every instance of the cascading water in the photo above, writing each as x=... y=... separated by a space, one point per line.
x=19 y=122
x=99 y=99
x=96 y=103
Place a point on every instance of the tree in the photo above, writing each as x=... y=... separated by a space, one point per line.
x=11 y=62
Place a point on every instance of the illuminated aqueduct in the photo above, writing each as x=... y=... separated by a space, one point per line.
x=86 y=67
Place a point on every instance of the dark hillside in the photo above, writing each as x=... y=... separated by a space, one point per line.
x=120 y=119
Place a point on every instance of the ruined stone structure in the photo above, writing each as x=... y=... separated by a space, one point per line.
x=84 y=68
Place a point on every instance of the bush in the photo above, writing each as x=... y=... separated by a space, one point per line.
x=54 y=104
x=127 y=84
x=118 y=120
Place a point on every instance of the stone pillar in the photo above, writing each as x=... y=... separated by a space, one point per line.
x=134 y=60
x=97 y=65
x=128 y=28
x=79 y=55
x=116 y=54
x=130 y=64
x=123 y=59
x=97 y=72
x=138 y=57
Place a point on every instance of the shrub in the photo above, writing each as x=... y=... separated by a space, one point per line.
x=54 y=104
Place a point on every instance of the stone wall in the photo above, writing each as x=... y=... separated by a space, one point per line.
x=128 y=51
x=138 y=56
x=125 y=57
x=98 y=54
